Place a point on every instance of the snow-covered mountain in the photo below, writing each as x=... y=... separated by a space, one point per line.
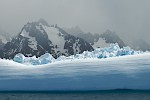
x=97 y=40
x=37 y=38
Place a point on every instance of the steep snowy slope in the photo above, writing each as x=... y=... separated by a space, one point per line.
x=38 y=38
x=126 y=72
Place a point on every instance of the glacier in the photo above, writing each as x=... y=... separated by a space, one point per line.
x=112 y=51
x=103 y=69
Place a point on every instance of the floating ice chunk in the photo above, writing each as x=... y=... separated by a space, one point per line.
x=46 y=58
x=32 y=60
x=112 y=51
x=19 y=58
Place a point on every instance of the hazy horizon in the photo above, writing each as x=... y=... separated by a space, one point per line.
x=128 y=18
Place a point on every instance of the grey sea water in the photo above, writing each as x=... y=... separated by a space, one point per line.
x=80 y=95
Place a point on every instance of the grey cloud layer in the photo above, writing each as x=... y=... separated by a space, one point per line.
x=125 y=17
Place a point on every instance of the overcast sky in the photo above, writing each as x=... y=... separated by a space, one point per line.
x=128 y=18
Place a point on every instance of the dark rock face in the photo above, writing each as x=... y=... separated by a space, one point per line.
x=38 y=38
x=75 y=44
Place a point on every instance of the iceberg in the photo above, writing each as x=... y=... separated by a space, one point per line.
x=44 y=59
x=20 y=58
x=112 y=51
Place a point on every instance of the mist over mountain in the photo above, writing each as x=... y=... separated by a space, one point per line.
x=105 y=38
x=112 y=37
x=140 y=44
x=97 y=40
x=76 y=31
x=4 y=38
x=42 y=52
x=129 y=19
x=38 y=38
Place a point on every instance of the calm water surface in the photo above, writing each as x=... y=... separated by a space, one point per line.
x=89 y=95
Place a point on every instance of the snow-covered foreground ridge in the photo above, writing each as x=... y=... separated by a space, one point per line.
x=90 y=73
x=112 y=51
x=125 y=72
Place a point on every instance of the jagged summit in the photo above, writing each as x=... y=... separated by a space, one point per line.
x=44 y=22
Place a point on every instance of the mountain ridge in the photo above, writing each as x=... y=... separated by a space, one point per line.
x=37 y=38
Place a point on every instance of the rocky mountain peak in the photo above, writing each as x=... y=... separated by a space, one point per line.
x=38 y=38
x=44 y=22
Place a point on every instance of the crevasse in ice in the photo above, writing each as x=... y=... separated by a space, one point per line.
x=112 y=51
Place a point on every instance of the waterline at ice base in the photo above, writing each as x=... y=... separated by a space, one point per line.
x=102 y=69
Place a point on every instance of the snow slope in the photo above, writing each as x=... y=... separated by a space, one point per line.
x=124 y=72
x=56 y=37
x=32 y=40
